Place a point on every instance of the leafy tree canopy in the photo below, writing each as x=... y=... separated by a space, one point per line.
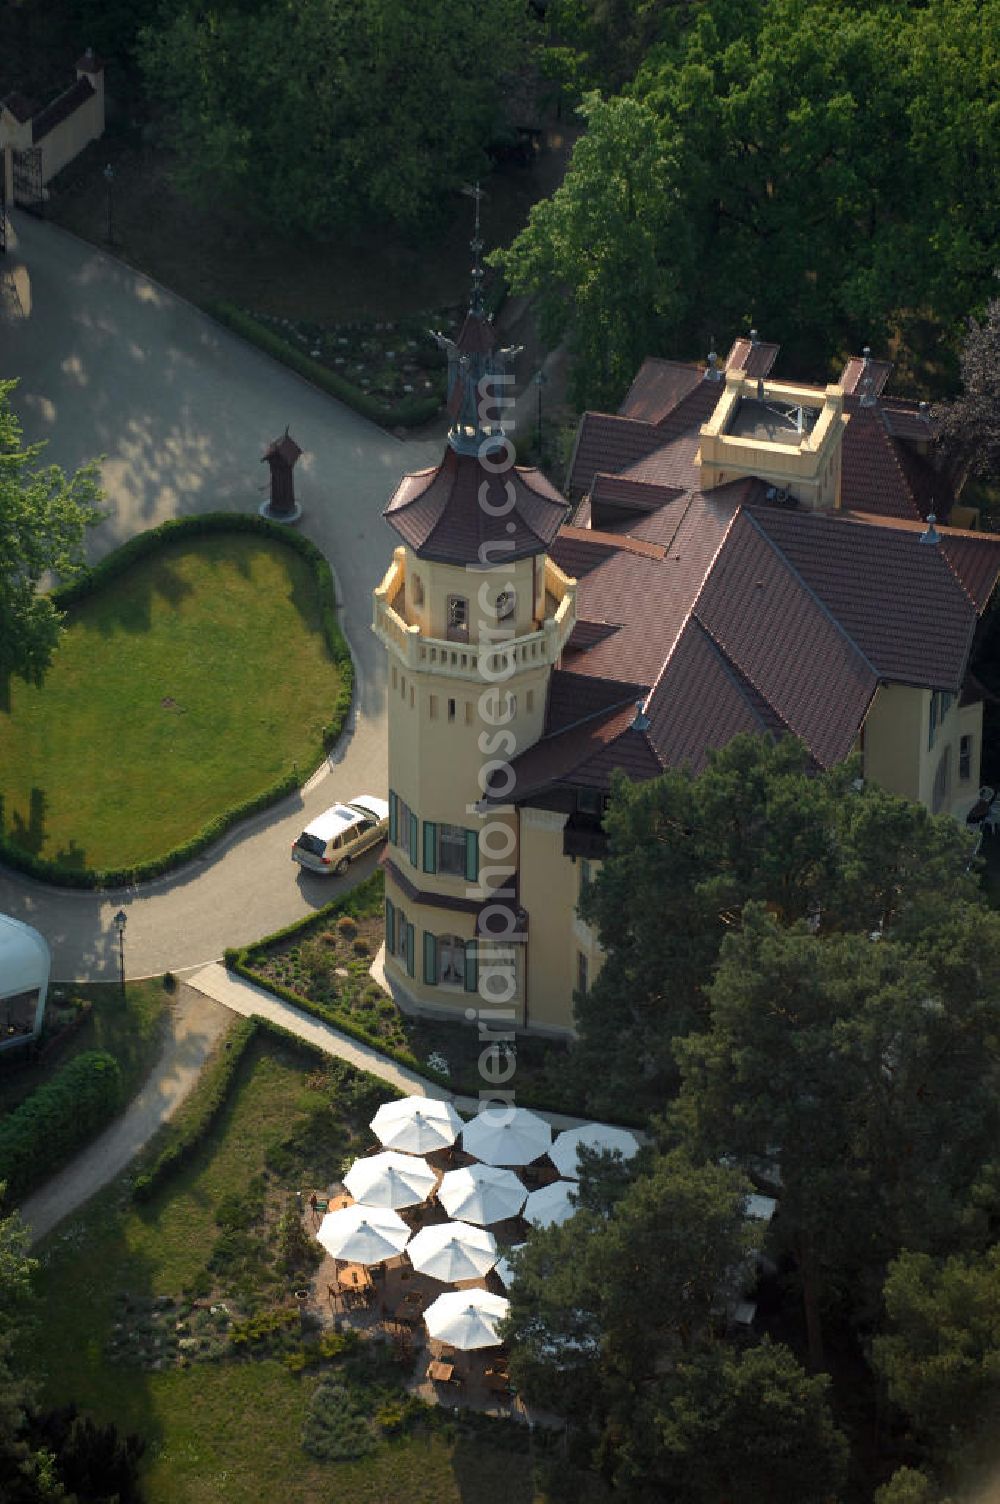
x=687 y=854
x=325 y=114
x=612 y=1324
x=43 y=518
x=970 y=425
x=866 y=1073
x=940 y=1356
x=818 y=168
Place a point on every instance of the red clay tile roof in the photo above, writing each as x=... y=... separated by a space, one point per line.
x=702 y=701
x=753 y=359
x=573 y=698
x=898 y=599
x=725 y=613
x=878 y=370
x=658 y=388
x=786 y=644
x=60 y=109
x=909 y=420
x=880 y=474
x=441 y=515
x=585 y=756
x=605 y=441
x=973 y=557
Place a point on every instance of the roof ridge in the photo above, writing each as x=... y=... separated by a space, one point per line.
x=694 y=604
x=786 y=561
x=735 y=671
x=947 y=535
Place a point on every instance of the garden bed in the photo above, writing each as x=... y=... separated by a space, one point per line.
x=394 y=362
x=323 y=965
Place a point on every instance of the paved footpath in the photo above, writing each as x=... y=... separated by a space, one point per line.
x=111 y=363
x=247 y=998
x=194 y=1026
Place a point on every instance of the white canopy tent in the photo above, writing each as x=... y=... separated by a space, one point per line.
x=502 y=1135
x=363 y=1234
x=600 y=1137
x=551 y=1204
x=466 y=1318
x=390 y=1179
x=453 y=1251
x=25 y=963
x=481 y=1194
x=416 y=1125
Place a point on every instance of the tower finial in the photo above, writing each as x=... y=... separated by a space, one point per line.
x=476 y=193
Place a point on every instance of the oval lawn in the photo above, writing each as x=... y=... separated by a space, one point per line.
x=180 y=689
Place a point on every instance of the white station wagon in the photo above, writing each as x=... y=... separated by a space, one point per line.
x=331 y=842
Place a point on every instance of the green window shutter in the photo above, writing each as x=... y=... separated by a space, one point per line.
x=430 y=959
x=472 y=856
x=411 y=965
x=393 y=817
x=430 y=846
x=471 y=967
x=414 y=840
x=390 y=927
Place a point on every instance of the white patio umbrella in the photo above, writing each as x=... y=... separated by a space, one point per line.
x=551 y=1204
x=363 y=1234
x=466 y=1318
x=390 y=1179
x=417 y=1125
x=504 y=1269
x=453 y=1251
x=506 y=1136
x=600 y=1136
x=481 y=1193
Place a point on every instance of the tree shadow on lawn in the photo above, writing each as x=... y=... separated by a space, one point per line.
x=27 y=831
x=91 y=1283
x=125 y=604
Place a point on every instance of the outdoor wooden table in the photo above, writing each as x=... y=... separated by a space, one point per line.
x=441 y=1373
x=354 y=1277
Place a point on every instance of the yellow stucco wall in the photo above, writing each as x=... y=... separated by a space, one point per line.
x=899 y=755
x=550 y=889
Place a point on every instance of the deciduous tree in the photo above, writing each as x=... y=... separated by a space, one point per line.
x=43 y=517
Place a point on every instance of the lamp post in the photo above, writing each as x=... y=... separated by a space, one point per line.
x=109 y=178
x=540 y=380
x=121 y=920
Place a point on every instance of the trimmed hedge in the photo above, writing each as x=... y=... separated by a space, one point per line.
x=407 y=414
x=203 y=1108
x=38 y=1137
x=117 y=563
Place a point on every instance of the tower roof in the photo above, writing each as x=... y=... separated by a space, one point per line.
x=461 y=512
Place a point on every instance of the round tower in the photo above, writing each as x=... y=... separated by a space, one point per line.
x=474 y=616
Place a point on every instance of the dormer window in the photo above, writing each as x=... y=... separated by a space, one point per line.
x=458 y=618
x=506 y=605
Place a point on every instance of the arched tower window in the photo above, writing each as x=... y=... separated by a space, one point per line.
x=458 y=618
x=506 y=605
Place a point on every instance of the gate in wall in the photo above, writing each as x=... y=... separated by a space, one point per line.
x=28 y=191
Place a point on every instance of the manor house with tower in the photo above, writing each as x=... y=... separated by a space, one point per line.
x=735 y=553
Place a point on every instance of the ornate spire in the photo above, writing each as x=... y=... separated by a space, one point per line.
x=476 y=368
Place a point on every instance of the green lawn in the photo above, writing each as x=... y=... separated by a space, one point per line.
x=229 y=1428
x=181 y=689
x=129 y=1028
